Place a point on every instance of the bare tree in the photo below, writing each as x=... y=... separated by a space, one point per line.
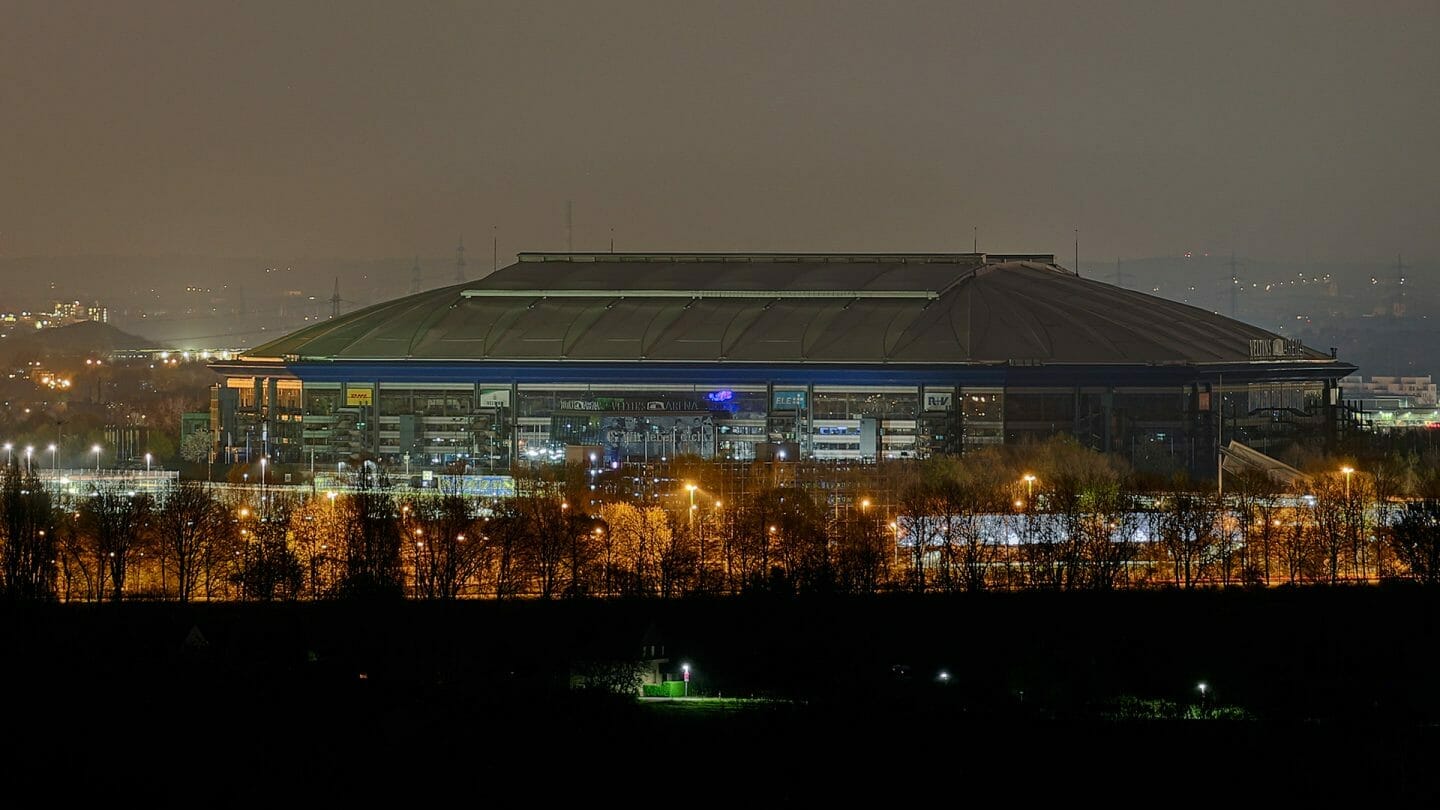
x=370 y=541
x=507 y=533
x=1187 y=528
x=1257 y=512
x=446 y=549
x=918 y=517
x=28 y=524
x=75 y=558
x=798 y=548
x=677 y=558
x=187 y=523
x=862 y=554
x=1416 y=540
x=1329 y=509
x=581 y=547
x=315 y=535
x=967 y=504
x=1390 y=477
x=1109 y=531
x=269 y=568
x=113 y=518
x=545 y=530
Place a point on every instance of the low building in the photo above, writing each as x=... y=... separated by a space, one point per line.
x=1390 y=393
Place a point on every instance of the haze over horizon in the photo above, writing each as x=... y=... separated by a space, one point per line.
x=369 y=130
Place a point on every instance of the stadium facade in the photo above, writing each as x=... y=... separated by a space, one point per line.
x=763 y=355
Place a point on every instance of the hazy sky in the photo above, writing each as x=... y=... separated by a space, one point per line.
x=364 y=129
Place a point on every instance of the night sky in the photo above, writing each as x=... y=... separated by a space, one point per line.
x=361 y=129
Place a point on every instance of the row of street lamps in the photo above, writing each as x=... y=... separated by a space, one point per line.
x=53 y=450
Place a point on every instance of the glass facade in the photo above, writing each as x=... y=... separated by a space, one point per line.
x=491 y=427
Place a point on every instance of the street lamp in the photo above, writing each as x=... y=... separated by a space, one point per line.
x=1348 y=471
x=29 y=451
x=895 y=527
x=685 y=668
x=147 y=462
x=54 y=459
x=96 y=451
x=8 y=448
x=1029 y=486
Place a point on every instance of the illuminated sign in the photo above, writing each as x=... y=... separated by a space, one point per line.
x=359 y=396
x=494 y=399
x=938 y=400
x=789 y=401
x=723 y=395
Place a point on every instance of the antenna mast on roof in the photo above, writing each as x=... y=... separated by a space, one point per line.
x=415 y=277
x=974 y=238
x=494 y=248
x=1234 y=286
x=1120 y=275
x=569 y=226
x=460 y=262
x=1397 y=308
x=612 y=239
x=335 y=300
x=1077 y=252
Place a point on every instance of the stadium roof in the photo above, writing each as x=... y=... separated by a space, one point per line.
x=785 y=308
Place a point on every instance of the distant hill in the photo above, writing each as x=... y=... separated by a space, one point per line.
x=91 y=336
x=76 y=338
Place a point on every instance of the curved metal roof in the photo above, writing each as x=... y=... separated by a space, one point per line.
x=783 y=308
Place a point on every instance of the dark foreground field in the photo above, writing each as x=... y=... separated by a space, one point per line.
x=1309 y=694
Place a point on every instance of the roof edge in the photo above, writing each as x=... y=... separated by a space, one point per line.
x=801 y=256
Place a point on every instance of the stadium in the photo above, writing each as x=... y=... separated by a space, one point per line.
x=768 y=356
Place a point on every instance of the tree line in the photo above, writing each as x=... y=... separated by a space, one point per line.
x=1048 y=516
